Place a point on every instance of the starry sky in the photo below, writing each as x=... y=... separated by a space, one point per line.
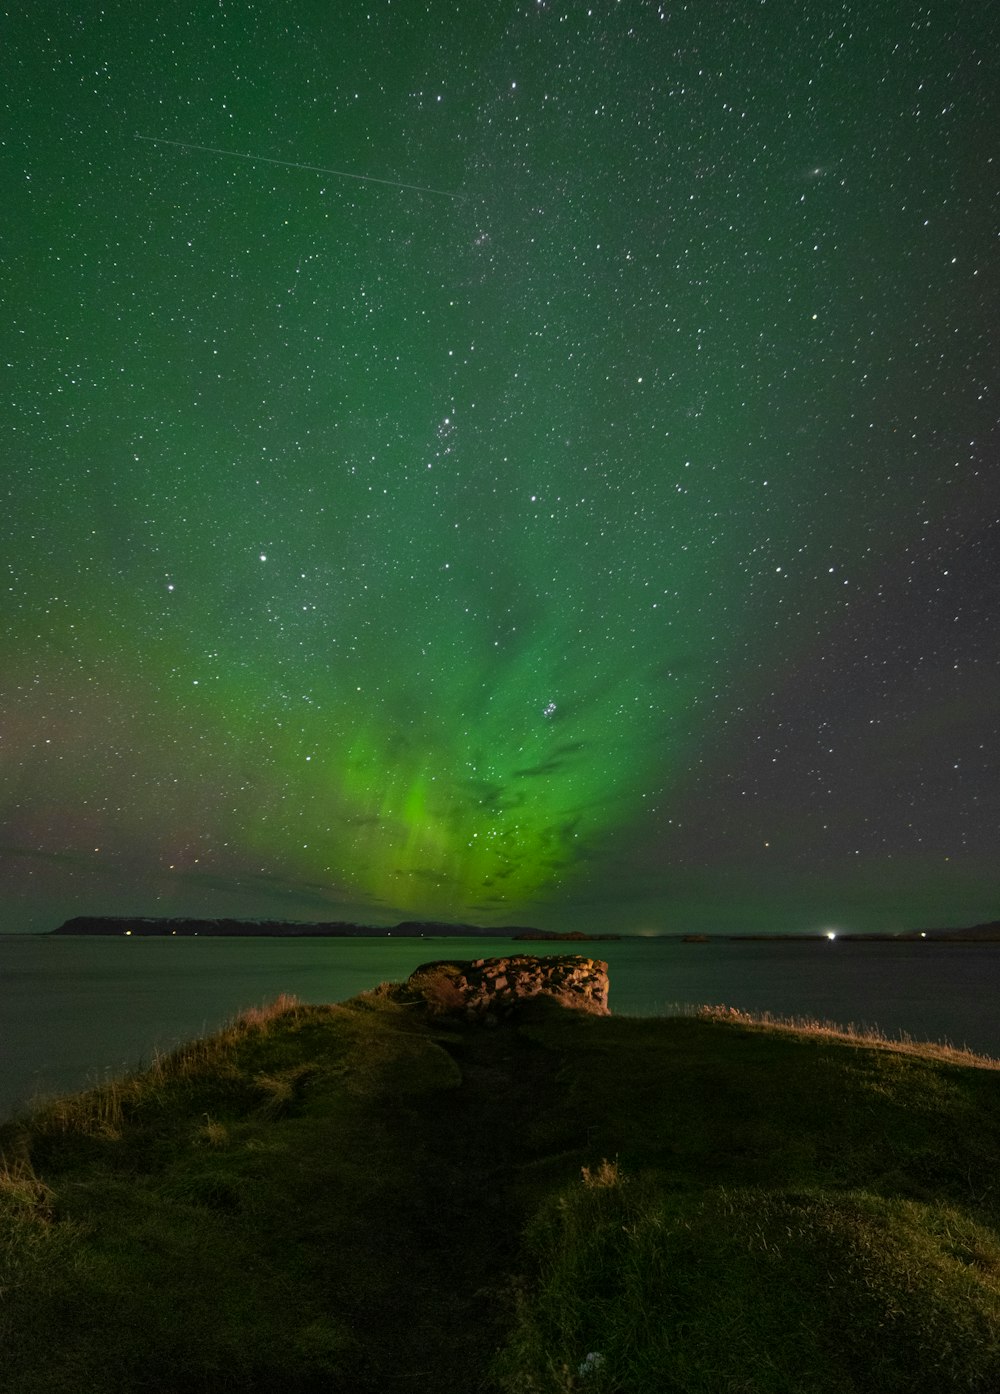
x=512 y=463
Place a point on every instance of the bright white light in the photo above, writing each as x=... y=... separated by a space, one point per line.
x=831 y=934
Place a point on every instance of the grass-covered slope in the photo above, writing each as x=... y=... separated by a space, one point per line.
x=364 y=1197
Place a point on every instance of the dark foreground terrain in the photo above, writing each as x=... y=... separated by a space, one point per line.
x=370 y=1197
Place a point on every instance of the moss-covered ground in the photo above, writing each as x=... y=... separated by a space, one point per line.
x=371 y=1197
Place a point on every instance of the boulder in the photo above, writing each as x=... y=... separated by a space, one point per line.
x=488 y=989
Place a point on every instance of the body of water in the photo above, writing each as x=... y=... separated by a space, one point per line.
x=74 y=1009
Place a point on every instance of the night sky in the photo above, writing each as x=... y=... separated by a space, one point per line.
x=546 y=473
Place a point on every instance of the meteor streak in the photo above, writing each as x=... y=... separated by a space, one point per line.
x=294 y=164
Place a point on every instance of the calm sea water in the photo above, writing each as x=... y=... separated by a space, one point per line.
x=74 y=1009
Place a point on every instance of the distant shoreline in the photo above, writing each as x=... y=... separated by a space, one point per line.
x=145 y=926
x=142 y=926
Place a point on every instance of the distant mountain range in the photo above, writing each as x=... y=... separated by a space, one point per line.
x=145 y=926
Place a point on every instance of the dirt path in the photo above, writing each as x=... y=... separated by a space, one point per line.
x=467 y=1221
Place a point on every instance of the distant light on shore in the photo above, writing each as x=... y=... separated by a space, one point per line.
x=831 y=934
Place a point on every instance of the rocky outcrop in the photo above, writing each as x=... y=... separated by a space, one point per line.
x=488 y=989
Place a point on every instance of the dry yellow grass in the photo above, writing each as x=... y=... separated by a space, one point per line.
x=850 y=1034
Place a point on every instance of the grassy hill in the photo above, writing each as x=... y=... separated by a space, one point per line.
x=367 y=1197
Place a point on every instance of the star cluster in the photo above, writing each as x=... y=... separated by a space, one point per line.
x=527 y=463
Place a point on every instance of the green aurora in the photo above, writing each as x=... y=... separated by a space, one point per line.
x=606 y=539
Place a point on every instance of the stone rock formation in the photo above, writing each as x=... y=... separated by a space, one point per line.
x=487 y=989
